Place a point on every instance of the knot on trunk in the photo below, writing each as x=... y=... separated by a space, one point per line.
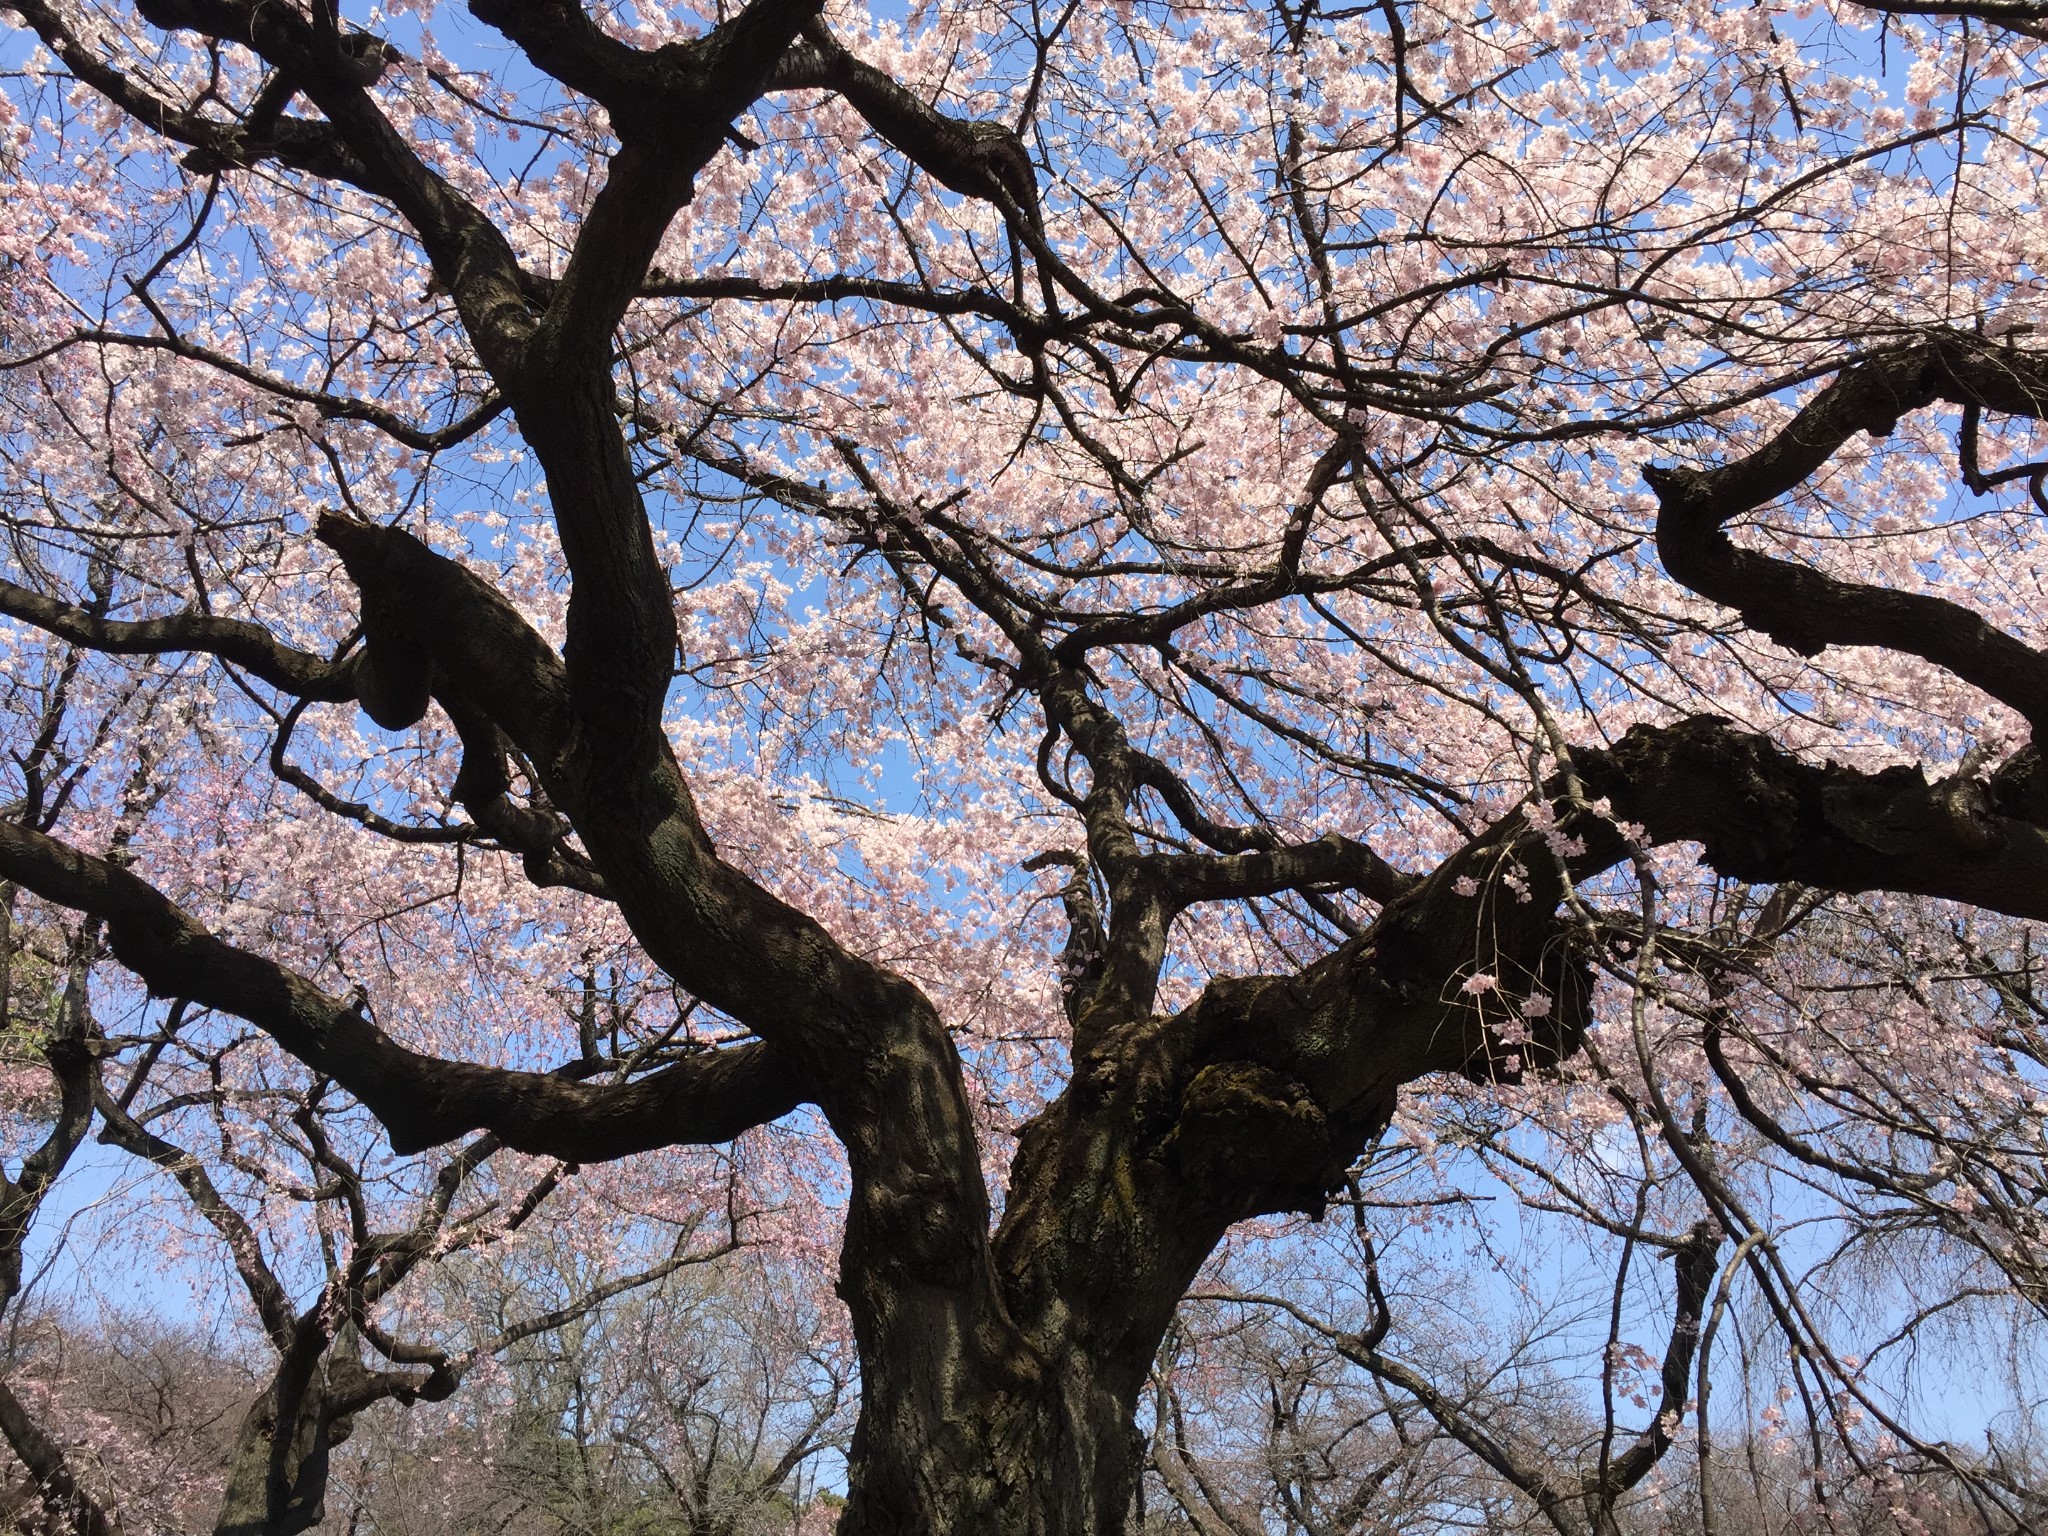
x=918 y=1230
x=393 y=682
x=2019 y=788
x=1249 y=1137
x=394 y=674
x=1897 y=812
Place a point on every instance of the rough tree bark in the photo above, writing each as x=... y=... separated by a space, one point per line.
x=1001 y=1369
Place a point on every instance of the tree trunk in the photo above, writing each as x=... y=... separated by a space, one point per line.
x=1054 y=1458
x=1000 y=1388
x=1017 y=1417
x=277 y=1471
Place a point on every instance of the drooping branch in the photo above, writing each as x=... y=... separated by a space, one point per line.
x=1550 y=1492
x=1276 y=1080
x=69 y=1509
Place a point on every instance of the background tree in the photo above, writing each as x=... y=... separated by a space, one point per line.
x=1079 y=598
x=711 y=1405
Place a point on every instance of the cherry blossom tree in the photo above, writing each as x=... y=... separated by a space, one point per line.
x=1104 y=612
x=273 y=1466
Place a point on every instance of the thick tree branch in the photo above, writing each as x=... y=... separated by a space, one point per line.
x=2029 y=17
x=1763 y=816
x=334 y=69
x=847 y=289
x=313 y=148
x=246 y=644
x=671 y=109
x=974 y=158
x=71 y=1061
x=650 y=93
x=1331 y=861
x=427 y=620
x=1802 y=608
x=484 y=786
x=422 y=1100
x=559 y=38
